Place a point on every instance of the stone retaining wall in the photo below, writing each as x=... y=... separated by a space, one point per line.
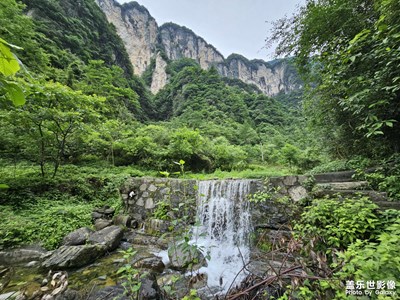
x=142 y=195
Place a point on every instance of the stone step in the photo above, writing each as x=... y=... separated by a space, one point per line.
x=388 y=204
x=343 y=176
x=373 y=195
x=345 y=185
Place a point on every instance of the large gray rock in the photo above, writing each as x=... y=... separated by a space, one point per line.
x=125 y=220
x=350 y=185
x=109 y=292
x=74 y=256
x=296 y=193
x=149 y=289
x=22 y=255
x=109 y=237
x=99 y=224
x=77 y=237
x=183 y=256
x=154 y=263
x=68 y=295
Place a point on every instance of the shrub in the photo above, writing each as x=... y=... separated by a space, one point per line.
x=334 y=224
x=374 y=260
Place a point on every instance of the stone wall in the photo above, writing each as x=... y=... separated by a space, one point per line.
x=274 y=213
x=291 y=186
x=142 y=195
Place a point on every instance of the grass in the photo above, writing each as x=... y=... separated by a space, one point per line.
x=43 y=210
x=254 y=171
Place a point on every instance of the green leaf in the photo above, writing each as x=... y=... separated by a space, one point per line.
x=9 y=65
x=4 y=186
x=15 y=93
x=9 y=45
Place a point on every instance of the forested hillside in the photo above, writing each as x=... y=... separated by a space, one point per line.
x=77 y=55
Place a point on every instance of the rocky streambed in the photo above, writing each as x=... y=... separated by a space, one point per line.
x=87 y=266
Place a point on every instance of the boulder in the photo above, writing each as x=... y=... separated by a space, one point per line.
x=74 y=256
x=22 y=255
x=149 y=289
x=109 y=237
x=69 y=294
x=296 y=193
x=99 y=224
x=77 y=237
x=124 y=220
x=183 y=255
x=110 y=292
x=105 y=212
x=154 y=263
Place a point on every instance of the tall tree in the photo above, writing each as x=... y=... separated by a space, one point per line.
x=348 y=52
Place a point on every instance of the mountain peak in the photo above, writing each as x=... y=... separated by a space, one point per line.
x=144 y=41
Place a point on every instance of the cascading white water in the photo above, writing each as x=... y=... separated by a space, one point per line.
x=224 y=229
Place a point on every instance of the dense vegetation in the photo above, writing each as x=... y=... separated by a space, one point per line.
x=348 y=52
x=348 y=55
x=85 y=108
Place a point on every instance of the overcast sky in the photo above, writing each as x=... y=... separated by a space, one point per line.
x=232 y=26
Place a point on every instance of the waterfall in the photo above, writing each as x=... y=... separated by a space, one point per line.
x=223 y=230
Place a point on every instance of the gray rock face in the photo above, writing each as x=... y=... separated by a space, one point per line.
x=153 y=263
x=9 y=295
x=100 y=224
x=74 y=256
x=149 y=289
x=270 y=78
x=124 y=220
x=110 y=292
x=77 y=237
x=68 y=295
x=137 y=29
x=100 y=242
x=22 y=255
x=109 y=237
x=179 y=42
x=142 y=36
x=182 y=256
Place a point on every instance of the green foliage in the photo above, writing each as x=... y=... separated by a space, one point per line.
x=53 y=117
x=9 y=66
x=348 y=52
x=130 y=275
x=347 y=241
x=290 y=154
x=374 y=260
x=19 y=29
x=37 y=210
x=385 y=178
x=192 y=296
x=329 y=225
x=78 y=30
x=110 y=83
x=46 y=222
x=161 y=211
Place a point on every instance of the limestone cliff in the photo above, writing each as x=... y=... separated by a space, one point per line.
x=136 y=27
x=144 y=40
x=159 y=78
x=270 y=77
x=179 y=41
